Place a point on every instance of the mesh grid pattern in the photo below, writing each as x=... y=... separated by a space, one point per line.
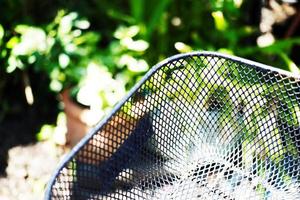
x=198 y=126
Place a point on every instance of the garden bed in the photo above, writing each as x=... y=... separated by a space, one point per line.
x=29 y=169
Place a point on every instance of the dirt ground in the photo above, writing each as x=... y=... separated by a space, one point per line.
x=29 y=169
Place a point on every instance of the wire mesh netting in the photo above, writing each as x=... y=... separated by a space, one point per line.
x=197 y=126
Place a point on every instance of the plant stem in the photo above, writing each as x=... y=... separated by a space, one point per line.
x=27 y=88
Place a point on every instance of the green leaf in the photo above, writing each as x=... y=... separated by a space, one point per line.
x=156 y=16
x=290 y=64
x=138 y=45
x=12 y=42
x=277 y=48
x=63 y=60
x=220 y=22
x=56 y=85
x=281 y=46
x=182 y=47
x=13 y=64
x=1 y=33
x=126 y=32
x=120 y=16
x=137 y=9
x=82 y=24
x=45 y=133
x=22 y=28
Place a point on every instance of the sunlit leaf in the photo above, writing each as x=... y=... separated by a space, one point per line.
x=13 y=63
x=226 y=51
x=88 y=38
x=265 y=40
x=11 y=68
x=31 y=59
x=291 y=65
x=70 y=48
x=82 y=24
x=12 y=42
x=56 y=85
x=238 y=3
x=32 y=39
x=182 y=47
x=66 y=23
x=126 y=32
x=60 y=131
x=220 y=21
x=77 y=33
x=22 y=29
x=1 y=33
x=138 y=45
x=63 y=60
x=134 y=65
x=45 y=132
x=3 y=53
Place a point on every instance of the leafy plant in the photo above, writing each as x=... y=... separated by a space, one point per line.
x=137 y=34
x=60 y=50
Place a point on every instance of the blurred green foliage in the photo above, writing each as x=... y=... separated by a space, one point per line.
x=61 y=49
x=64 y=40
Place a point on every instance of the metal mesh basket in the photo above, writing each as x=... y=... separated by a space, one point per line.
x=198 y=126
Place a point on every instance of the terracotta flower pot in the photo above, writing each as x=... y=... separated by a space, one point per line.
x=77 y=127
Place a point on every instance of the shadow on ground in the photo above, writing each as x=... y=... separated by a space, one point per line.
x=20 y=122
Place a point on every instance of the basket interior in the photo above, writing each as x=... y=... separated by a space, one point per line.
x=198 y=126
